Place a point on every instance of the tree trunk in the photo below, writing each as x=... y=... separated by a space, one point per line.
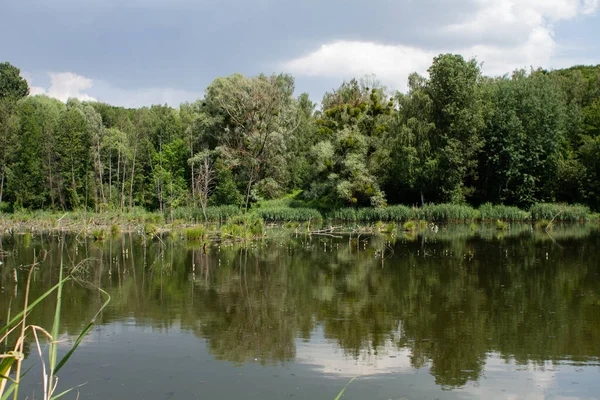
x=1 y=186
x=132 y=177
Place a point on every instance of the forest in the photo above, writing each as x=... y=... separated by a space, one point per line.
x=456 y=136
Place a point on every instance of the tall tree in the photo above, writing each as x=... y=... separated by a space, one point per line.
x=458 y=114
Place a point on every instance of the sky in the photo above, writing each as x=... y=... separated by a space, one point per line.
x=140 y=52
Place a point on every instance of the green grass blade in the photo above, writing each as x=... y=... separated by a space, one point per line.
x=19 y=316
x=344 y=389
x=83 y=333
x=56 y=323
x=8 y=392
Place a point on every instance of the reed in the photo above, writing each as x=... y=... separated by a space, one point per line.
x=560 y=212
x=288 y=214
x=490 y=212
x=11 y=361
x=197 y=233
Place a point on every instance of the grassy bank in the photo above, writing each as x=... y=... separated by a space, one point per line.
x=284 y=211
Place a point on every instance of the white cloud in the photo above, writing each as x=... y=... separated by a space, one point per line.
x=503 y=34
x=354 y=59
x=65 y=85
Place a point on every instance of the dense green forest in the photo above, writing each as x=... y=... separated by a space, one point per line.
x=456 y=136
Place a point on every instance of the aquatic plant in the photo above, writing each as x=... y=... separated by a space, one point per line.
x=501 y=225
x=99 y=234
x=559 y=212
x=490 y=212
x=409 y=226
x=20 y=326
x=196 y=233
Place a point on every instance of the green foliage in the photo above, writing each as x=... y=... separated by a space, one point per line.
x=243 y=227
x=409 y=226
x=490 y=212
x=99 y=234
x=455 y=137
x=286 y=214
x=150 y=229
x=559 y=212
x=446 y=212
x=213 y=213
x=196 y=233
x=12 y=85
x=501 y=225
x=115 y=229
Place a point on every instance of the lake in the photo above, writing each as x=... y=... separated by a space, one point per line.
x=466 y=312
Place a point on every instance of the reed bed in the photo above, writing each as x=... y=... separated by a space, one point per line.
x=491 y=212
x=560 y=212
x=288 y=214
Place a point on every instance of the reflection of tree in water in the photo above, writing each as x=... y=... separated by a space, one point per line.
x=451 y=302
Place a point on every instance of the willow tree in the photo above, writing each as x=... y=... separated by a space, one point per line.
x=251 y=117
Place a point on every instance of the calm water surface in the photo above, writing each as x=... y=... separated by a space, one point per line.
x=458 y=314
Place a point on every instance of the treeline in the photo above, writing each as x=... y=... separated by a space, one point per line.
x=455 y=137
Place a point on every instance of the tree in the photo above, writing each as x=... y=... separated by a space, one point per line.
x=12 y=85
x=414 y=165
x=204 y=178
x=12 y=88
x=525 y=140
x=458 y=114
x=353 y=148
x=252 y=116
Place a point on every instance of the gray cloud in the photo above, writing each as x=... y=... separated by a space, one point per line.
x=182 y=45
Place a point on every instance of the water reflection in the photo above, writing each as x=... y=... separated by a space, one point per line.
x=443 y=302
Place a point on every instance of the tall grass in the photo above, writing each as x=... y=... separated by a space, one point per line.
x=287 y=214
x=490 y=212
x=213 y=213
x=196 y=233
x=12 y=360
x=560 y=212
x=243 y=227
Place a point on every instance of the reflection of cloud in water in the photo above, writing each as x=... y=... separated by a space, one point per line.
x=507 y=380
x=327 y=357
x=500 y=379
